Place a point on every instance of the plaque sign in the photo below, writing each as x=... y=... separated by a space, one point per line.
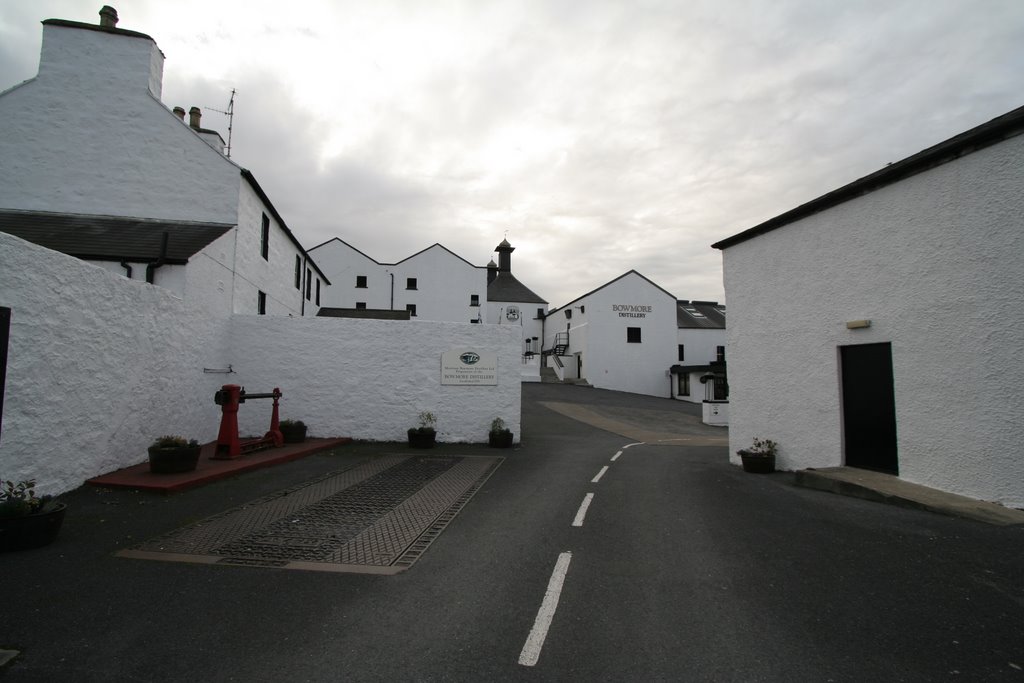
x=466 y=367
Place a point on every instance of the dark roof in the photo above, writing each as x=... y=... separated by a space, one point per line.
x=366 y=313
x=611 y=282
x=111 y=238
x=505 y=287
x=714 y=318
x=998 y=129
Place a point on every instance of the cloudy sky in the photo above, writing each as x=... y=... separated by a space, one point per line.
x=598 y=136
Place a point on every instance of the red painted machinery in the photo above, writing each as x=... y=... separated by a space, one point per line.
x=229 y=446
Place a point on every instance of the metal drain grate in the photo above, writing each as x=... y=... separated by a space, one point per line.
x=377 y=517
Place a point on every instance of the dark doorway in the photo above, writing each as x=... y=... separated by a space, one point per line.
x=869 y=408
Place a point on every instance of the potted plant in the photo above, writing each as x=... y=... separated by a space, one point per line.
x=759 y=458
x=294 y=431
x=170 y=454
x=500 y=436
x=27 y=521
x=424 y=435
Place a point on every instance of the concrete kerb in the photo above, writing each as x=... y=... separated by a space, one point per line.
x=886 y=488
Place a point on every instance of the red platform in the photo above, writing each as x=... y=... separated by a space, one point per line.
x=207 y=470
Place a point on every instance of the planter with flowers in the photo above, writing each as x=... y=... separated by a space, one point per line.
x=500 y=436
x=170 y=454
x=26 y=520
x=424 y=435
x=760 y=457
x=294 y=431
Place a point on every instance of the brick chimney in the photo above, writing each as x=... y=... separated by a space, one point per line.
x=180 y=113
x=108 y=17
x=194 y=114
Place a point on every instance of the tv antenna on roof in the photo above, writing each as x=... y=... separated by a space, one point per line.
x=231 y=120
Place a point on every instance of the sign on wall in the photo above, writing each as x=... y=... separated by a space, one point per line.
x=632 y=310
x=469 y=368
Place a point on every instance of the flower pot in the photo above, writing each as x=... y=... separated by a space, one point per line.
x=757 y=463
x=501 y=439
x=422 y=438
x=293 y=433
x=171 y=460
x=32 y=531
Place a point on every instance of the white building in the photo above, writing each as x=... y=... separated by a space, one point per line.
x=881 y=325
x=93 y=164
x=631 y=335
x=433 y=284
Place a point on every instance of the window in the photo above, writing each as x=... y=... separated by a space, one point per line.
x=633 y=335
x=540 y=314
x=309 y=283
x=474 y=299
x=261 y=303
x=265 y=239
x=693 y=311
x=568 y=314
x=682 y=355
x=475 y=321
x=412 y=309
x=683 y=384
x=721 y=353
x=318 y=291
x=298 y=272
x=410 y=283
x=360 y=282
x=360 y=305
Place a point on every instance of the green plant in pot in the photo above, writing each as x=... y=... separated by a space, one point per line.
x=500 y=436
x=760 y=457
x=171 y=454
x=294 y=431
x=424 y=435
x=26 y=520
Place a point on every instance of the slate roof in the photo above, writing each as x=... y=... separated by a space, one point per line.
x=714 y=318
x=997 y=130
x=111 y=238
x=505 y=287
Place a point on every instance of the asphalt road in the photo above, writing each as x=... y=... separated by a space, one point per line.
x=684 y=568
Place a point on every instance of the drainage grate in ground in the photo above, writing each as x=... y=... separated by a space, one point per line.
x=378 y=517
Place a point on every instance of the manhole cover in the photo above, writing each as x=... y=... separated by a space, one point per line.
x=378 y=517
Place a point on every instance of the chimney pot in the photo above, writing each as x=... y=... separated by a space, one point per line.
x=108 y=16
x=194 y=114
x=179 y=112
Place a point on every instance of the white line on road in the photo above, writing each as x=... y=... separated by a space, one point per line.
x=535 y=641
x=583 y=510
x=599 y=475
x=630 y=445
x=616 y=456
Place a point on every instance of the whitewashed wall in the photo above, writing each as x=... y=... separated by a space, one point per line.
x=370 y=379
x=935 y=263
x=98 y=366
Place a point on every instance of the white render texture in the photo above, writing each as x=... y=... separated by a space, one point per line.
x=935 y=262
x=99 y=366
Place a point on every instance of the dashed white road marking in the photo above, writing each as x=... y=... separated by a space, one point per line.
x=582 y=512
x=599 y=475
x=535 y=641
x=616 y=456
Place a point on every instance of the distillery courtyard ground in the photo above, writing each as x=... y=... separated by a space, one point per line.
x=616 y=544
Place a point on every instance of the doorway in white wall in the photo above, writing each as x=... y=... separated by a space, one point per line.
x=869 y=407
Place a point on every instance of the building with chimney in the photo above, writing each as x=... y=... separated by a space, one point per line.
x=94 y=165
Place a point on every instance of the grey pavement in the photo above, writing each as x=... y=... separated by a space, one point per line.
x=684 y=568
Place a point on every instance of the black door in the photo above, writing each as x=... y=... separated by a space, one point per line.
x=869 y=409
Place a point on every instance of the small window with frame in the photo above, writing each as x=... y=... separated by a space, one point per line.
x=360 y=282
x=410 y=283
x=633 y=335
x=412 y=310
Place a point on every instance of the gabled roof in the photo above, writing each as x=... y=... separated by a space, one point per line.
x=612 y=282
x=436 y=244
x=111 y=238
x=96 y=27
x=505 y=287
x=714 y=315
x=998 y=129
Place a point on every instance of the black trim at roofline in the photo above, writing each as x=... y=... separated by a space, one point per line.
x=96 y=27
x=998 y=129
x=609 y=283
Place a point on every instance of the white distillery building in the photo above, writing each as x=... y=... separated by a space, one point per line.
x=94 y=165
x=887 y=331
x=631 y=335
x=433 y=284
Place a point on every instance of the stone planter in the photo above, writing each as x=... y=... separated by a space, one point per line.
x=502 y=439
x=422 y=438
x=293 y=433
x=173 y=460
x=32 y=531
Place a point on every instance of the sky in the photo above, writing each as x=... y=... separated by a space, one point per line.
x=596 y=136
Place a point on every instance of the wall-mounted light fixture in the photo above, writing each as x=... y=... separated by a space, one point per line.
x=858 y=324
